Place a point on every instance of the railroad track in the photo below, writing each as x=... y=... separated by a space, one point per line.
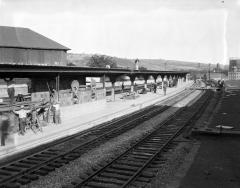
x=29 y=168
x=139 y=164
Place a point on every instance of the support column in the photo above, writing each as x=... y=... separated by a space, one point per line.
x=145 y=81
x=132 y=86
x=104 y=85
x=103 y=80
x=145 y=84
x=162 y=77
x=165 y=85
x=57 y=85
x=132 y=78
x=155 y=83
x=174 y=81
x=113 y=80
x=168 y=77
x=113 y=91
x=170 y=80
x=180 y=83
x=155 y=78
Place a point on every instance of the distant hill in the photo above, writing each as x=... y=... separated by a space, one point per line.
x=150 y=64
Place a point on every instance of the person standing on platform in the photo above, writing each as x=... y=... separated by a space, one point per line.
x=56 y=113
x=22 y=114
x=135 y=88
x=43 y=110
x=4 y=126
x=155 y=88
x=35 y=119
x=53 y=95
x=122 y=87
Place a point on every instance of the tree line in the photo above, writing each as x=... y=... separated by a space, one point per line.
x=102 y=61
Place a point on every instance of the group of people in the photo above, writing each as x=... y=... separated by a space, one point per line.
x=31 y=118
x=18 y=121
x=152 y=88
x=164 y=85
x=220 y=83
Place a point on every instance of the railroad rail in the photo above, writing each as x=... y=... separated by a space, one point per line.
x=29 y=168
x=138 y=165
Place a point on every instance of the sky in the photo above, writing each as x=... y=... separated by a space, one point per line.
x=204 y=31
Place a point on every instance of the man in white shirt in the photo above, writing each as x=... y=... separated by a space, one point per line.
x=22 y=113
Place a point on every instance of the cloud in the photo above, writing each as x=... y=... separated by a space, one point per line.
x=185 y=29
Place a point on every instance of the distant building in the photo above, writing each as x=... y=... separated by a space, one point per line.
x=234 y=69
x=24 y=46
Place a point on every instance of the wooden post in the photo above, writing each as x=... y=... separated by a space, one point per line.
x=145 y=81
x=104 y=78
x=113 y=80
x=113 y=91
x=132 y=78
x=162 y=76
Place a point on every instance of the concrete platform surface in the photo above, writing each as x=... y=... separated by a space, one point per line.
x=80 y=117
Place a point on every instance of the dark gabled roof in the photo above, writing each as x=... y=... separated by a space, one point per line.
x=18 y=37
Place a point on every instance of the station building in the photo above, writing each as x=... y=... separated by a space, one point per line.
x=234 y=69
x=37 y=65
x=24 y=46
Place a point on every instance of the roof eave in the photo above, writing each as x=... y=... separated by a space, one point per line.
x=33 y=48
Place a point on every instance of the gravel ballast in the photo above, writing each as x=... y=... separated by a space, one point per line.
x=97 y=156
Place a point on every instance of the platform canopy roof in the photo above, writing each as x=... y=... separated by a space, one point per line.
x=18 y=37
x=22 y=71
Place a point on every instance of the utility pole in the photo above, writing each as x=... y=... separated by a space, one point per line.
x=209 y=65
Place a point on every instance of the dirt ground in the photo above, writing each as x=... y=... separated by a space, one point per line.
x=214 y=160
x=216 y=165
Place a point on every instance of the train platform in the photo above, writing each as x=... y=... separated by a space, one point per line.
x=79 y=117
x=217 y=162
x=226 y=119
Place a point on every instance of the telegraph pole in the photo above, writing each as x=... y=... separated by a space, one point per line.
x=209 y=65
